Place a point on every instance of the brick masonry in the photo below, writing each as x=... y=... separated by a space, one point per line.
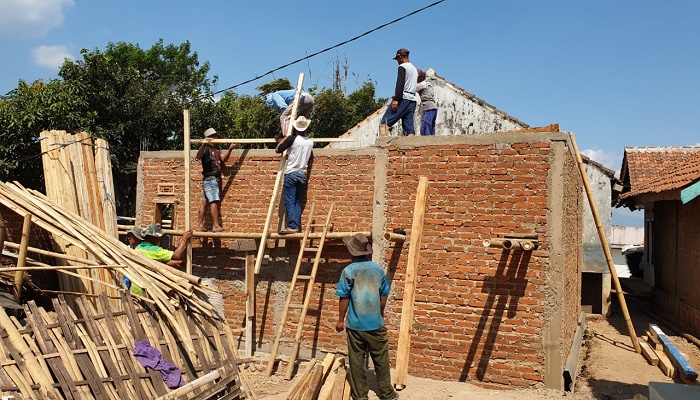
x=487 y=316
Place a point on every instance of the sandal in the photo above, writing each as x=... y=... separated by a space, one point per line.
x=288 y=231
x=218 y=229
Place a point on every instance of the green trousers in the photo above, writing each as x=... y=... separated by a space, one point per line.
x=376 y=343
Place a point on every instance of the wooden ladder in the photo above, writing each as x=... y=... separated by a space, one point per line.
x=305 y=251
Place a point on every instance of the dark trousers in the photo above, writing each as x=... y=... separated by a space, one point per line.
x=376 y=343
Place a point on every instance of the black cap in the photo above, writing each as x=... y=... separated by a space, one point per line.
x=401 y=52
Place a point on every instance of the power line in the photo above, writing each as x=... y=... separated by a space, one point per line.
x=326 y=49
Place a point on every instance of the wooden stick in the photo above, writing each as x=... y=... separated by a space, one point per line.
x=278 y=181
x=3 y=234
x=604 y=244
x=22 y=258
x=298 y=384
x=52 y=254
x=244 y=235
x=268 y=140
x=403 y=351
x=58 y=267
x=188 y=182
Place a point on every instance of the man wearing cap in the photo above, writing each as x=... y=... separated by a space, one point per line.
x=363 y=290
x=282 y=100
x=212 y=164
x=427 y=102
x=403 y=102
x=296 y=174
x=150 y=246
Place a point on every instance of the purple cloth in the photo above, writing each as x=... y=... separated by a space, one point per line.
x=150 y=357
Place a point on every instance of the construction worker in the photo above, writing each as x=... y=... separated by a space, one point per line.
x=212 y=164
x=403 y=102
x=282 y=100
x=150 y=247
x=296 y=174
x=427 y=105
x=363 y=290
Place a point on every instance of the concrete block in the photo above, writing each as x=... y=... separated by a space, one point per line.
x=673 y=391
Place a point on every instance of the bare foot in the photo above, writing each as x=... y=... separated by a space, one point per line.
x=218 y=229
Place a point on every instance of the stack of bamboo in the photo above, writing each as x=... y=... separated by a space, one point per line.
x=167 y=288
x=326 y=380
x=78 y=176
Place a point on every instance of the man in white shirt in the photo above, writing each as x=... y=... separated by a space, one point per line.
x=403 y=102
x=295 y=176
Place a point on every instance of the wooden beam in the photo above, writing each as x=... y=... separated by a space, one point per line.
x=571 y=366
x=268 y=140
x=540 y=129
x=403 y=351
x=649 y=353
x=604 y=243
x=188 y=181
x=685 y=371
x=22 y=258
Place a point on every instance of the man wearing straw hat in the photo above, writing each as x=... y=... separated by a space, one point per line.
x=363 y=290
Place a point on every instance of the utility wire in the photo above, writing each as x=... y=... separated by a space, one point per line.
x=325 y=50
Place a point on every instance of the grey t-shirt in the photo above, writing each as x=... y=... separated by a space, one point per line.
x=427 y=99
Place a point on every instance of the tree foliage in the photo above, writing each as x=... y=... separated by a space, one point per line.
x=134 y=98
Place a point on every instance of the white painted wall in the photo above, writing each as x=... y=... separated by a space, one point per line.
x=459 y=113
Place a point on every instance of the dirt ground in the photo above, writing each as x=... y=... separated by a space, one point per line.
x=609 y=367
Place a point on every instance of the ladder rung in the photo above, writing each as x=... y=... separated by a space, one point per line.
x=307 y=277
x=312 y=248
x=318 y=225
x=237 y=330
x=287 y=340
x=296 y=306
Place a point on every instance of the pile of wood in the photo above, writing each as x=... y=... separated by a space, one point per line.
x=87 y=354
x=326 y=380
x=78 y=176
x=658 y=350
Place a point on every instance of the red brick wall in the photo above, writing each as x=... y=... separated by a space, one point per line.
x=479 y=313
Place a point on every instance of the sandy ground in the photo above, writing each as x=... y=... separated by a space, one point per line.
x=610 y=369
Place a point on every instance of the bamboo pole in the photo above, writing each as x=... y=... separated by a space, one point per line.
x=30 y=359
x=394 y=237
x=604 y=244
x=403 y=351
x=268 y=140
x=245 y=235
x=53 y=254
x=278 y=181
x=22 y=257
x=249 y=303
x=3 y=234
x=188 y=182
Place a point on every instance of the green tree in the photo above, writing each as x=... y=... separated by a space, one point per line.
x=137 y=97
x=24 y=113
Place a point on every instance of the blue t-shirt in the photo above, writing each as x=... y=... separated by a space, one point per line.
x=363 y=282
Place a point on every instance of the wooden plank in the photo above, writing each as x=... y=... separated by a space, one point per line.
x=339 y=386
x=403 y=351
x=665 y=365
x=188 y=181
x=299 y=382
x=685 y=371
x=654 y=342
x=649 y=353
x=571 y=367
x=314 y=383
x=105 y=186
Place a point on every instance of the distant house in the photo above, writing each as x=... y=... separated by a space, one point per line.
x=459 y=113
x=663 y=181
x=595 y=275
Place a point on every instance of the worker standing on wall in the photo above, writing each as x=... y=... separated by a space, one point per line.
x=212 y=164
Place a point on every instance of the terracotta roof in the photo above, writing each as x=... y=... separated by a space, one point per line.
x=659 y=169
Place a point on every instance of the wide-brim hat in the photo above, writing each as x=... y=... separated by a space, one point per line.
x=137 y=232
x=358 y=245
x=209 y=132
x=301 y=123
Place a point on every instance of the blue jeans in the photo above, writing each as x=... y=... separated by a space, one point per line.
x=295 y=184
x=210 y=186
x=404 y=112
x=427 y=122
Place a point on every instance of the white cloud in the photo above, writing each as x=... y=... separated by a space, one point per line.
x=607 y=158
x=50 y=56
x=32 y=18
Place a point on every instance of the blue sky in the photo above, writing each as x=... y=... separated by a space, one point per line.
x=616 y=73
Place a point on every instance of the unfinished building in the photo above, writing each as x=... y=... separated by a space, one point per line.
x=487 y=315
